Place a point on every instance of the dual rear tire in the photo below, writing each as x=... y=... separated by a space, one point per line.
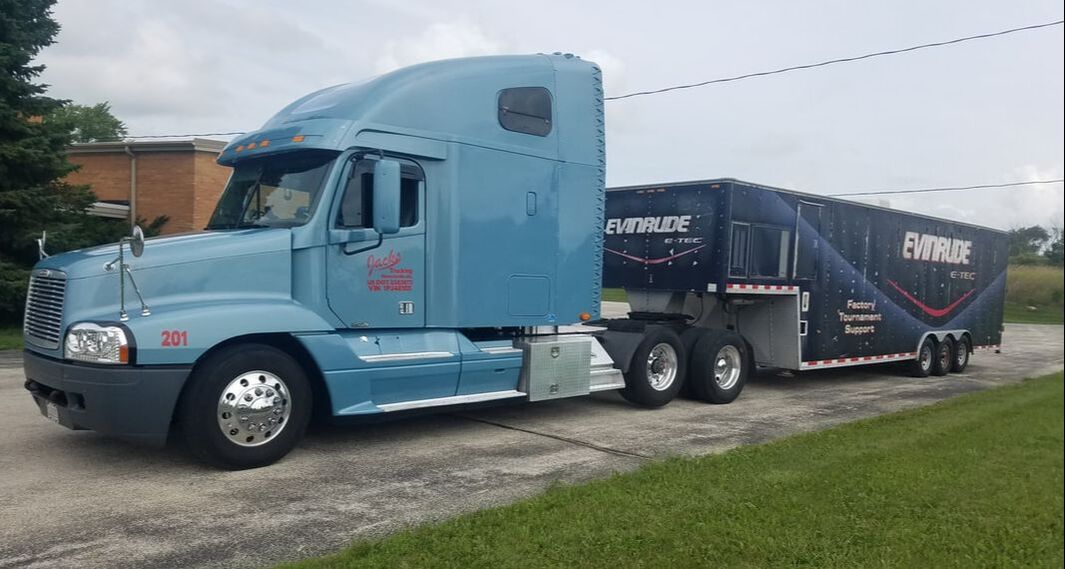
x=710 y=365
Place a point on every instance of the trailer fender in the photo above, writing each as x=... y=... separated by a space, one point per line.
x=939 y=336
x=620 y=346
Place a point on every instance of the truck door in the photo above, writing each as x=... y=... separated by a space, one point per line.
x=376 y=281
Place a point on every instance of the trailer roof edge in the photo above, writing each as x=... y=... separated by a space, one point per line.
x=804 y=194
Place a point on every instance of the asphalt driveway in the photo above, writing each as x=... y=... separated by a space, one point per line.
x=81 y=500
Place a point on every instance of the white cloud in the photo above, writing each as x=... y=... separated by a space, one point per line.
x=978 y=113
x=440 y=40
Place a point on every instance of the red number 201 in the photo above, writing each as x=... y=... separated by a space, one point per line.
x=175 y=338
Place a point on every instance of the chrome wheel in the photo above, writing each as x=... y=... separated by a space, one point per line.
x=253 y=408
x=961 y=358
x=662 y=363
x=727 y=367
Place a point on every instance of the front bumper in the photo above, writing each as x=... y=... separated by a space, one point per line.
x=132 y=403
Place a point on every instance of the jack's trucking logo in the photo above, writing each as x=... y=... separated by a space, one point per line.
x=924 y=247
x=383 y=274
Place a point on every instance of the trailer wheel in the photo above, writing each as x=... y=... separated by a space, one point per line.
x=656 y=373
x=246 y=406
x=944 y=357
x=926 y=355
x=962 y=351
x=719 y=367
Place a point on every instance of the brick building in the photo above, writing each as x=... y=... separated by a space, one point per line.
x=179 y=179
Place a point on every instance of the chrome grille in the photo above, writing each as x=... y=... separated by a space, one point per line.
x=44 y=307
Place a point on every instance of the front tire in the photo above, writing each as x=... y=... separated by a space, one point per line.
x=656 y=373
x=246 y=406
x=719 y=367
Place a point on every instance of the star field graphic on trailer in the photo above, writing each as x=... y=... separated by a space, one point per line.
x=808 y=280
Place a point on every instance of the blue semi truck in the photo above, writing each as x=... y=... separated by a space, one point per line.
x=425 y=238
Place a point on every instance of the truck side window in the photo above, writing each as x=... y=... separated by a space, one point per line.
x=769 y=251
x=738 y=254
x=356 y=207
x=526 y=110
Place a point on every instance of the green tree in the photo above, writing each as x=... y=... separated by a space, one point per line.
x=1054 y=252
x=89 y=123
x=1027 y=240
x=33 y=195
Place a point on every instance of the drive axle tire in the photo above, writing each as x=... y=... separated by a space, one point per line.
x=656 y=373
x=246 y=406
x=926 y=355
x=689 y=337
x=962 y=350
x=719 y=367
x=944 y=359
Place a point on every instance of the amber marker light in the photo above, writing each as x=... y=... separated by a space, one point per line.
x=297 y=138
x=123 y=354
x=584 y=316
x=251 y=146
x=239 y=148
x=264 y=144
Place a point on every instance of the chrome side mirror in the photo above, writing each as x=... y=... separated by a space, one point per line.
x=40 y=245
x=136 y=241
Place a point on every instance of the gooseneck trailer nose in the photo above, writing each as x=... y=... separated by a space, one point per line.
x=428 y=238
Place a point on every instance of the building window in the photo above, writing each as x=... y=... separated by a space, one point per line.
x=356 y=207
x=526 y=110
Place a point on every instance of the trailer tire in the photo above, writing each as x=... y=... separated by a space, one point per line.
x=944 y=359
x=962 y=350
x=657 y=371
x=719 y=367
x=246 y=406
x=926 y=355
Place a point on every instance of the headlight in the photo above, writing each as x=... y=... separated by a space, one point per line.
x=90 y=342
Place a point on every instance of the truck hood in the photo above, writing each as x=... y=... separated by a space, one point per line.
x=170 y=251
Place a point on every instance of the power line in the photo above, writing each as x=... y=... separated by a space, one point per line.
x=951 y=188
x=835 y=61
x=738 y=77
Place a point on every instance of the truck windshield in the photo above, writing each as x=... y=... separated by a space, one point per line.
x=273 y=191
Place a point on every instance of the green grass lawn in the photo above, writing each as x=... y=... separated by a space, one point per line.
x=10 y=338
x=1021 y=314
x=973 y=481
x=615 y=295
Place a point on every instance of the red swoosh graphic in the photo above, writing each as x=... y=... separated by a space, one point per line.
x=653 y=261
x=935 y=312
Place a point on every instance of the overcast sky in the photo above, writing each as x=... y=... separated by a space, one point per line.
x=982 y=112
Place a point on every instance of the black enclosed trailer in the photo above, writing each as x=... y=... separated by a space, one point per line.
x=805 y=281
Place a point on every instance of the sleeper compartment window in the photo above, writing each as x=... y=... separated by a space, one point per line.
x=526 y=110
